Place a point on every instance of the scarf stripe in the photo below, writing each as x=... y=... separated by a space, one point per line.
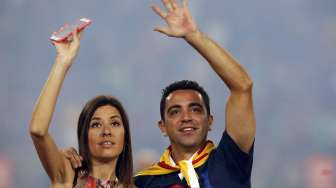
x=166 y=167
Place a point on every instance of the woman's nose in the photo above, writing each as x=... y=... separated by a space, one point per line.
x=106 y=131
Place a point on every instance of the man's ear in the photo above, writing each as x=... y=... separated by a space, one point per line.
x=162 y=127
x=210 y=121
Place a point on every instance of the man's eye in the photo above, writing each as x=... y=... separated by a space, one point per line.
x=174 y=112
x=196 y=109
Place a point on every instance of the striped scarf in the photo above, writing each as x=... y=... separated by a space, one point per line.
x=166 y=165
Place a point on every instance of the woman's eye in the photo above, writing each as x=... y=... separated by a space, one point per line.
x=115 y=124
x=95 y=124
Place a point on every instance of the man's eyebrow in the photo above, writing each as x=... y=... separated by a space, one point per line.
x=195 y=104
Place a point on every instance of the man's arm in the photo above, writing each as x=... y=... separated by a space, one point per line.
x=240 y=120
x=239 y=116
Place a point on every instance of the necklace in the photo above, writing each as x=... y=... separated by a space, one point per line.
x=98 y=183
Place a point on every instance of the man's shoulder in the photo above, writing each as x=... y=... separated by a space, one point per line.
x=150 y=181
x=141 y=180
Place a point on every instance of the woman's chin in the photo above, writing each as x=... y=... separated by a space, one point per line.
x=106 y=158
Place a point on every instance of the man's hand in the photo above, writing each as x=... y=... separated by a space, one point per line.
x=74 y=158
x=178 y=18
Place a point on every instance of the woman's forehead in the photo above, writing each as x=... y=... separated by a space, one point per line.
x=106 y=111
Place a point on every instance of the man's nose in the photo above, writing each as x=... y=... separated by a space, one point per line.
x=186 y=116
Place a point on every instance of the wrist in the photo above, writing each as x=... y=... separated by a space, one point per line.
x=63 y=63
x=192 y=36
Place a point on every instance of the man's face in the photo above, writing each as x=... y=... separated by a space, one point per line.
x=186 y=121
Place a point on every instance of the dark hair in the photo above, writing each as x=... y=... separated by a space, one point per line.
x=181 y=85
x=124 y=167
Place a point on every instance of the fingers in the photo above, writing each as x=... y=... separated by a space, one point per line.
x=174 y=4
x=185 y=3
x=74 y=158
x=54 y=42
x=163 y=30
x=58 y=45
x=63 y=27
x=75 y=36
x=74 y=43
x=80 y=34
x=168 y=5
x=159 y=12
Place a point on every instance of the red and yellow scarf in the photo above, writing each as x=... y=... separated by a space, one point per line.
x=165 y=166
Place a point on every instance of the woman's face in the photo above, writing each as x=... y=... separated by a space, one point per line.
x=106 y=133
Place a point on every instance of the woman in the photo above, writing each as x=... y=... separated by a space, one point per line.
x=103 y=133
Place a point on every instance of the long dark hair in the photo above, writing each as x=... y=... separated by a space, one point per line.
x=124 y=167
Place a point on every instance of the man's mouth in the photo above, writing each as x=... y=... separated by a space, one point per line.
x=187 y=129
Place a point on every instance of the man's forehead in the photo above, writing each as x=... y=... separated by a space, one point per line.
x=184 y=96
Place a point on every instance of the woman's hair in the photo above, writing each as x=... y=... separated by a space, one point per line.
x=124 y=167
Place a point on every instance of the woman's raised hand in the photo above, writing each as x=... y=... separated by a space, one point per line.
x=67 y=50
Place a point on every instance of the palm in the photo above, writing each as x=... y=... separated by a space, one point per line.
x=178 y=22
x=67 y=50
x=178 y=18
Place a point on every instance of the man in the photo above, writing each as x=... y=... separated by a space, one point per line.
x=191 y=160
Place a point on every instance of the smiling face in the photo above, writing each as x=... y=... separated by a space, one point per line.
x=186 y=120
x=106 y=133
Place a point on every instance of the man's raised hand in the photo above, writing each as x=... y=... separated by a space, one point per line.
x=178 y=18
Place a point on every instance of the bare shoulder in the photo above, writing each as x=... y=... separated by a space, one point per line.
x=61 y=185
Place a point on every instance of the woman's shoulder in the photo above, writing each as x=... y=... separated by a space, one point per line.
x=61 y=185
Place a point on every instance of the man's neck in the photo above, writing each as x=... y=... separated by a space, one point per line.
x=183 y=153
x=104 y=170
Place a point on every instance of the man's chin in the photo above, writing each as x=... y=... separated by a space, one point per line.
x=191 y=145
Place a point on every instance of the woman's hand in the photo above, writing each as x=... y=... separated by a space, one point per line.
x=67 y=50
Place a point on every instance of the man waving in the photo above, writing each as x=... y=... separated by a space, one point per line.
x=191 y=160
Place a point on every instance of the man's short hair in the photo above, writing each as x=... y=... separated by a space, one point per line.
x=182 y=85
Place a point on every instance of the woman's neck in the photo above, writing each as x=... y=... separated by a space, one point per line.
x=104 y=170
